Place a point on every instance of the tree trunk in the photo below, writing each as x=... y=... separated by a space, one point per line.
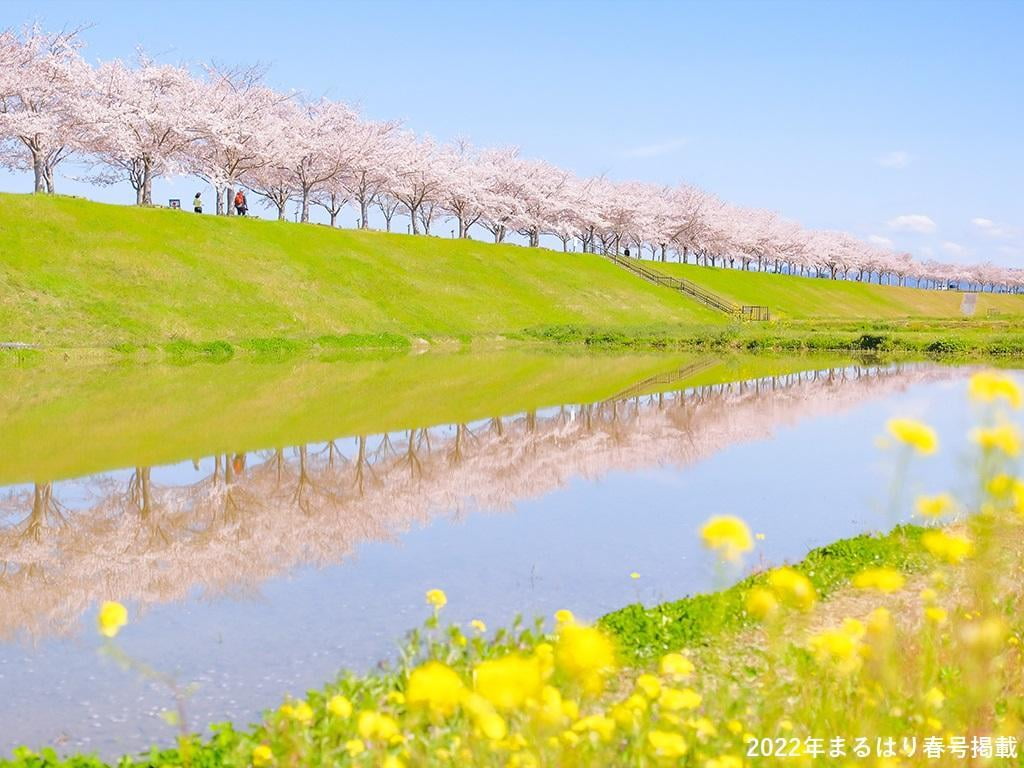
x=363 y=210
x=40 y=174
x=229 y=197
x=462 y=226
x=412 y=218
x=147 y=184
x=305 y=206
x=48 y=176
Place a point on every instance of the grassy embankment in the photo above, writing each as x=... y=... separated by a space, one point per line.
x=79 y=275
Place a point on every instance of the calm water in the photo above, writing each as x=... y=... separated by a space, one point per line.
x=260 y=571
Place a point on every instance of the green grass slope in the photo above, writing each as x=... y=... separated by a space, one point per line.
x=79 y=273
x=807 y=297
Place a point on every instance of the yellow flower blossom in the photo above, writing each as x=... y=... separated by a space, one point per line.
x=262 y=756
x=884 y=580
x=478 y=625
x=355 y=747
x=879 y=622
x=725 y=761
x=675 y=666
x=704 y=727
x=634 y=575
x=111 y=618
x=508 y=682
x=603 y=726
x=435 y=686
x=585 y=654
x=934 y=506
x=339 y=706
x=675 y=699
x=492 y=725
x=934 y=699
x=735 y=727
x=761 y=603
x=936 y=615
x=437 y=598
x=918 y=436
x=375 y=726
x=667 y=744
x=552 y=706
x=728 y=536
x=649 y=685
x=951 y=548
x=793 y=588
x=989 y=386
x=839 y=647
x=1004 y=438
x=393 y=761
x=564 y=616
x=300 y=712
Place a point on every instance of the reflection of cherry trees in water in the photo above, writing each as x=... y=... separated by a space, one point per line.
x=257 y=515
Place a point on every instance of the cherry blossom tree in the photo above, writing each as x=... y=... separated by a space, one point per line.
x=235 y=129
x=44 y=84
x=140 y=125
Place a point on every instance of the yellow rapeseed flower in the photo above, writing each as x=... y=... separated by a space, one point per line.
x=952 y=548
x=675 y=699
x=603 y=726
x=650 y=685
x=1004 y=438
x=667 y=744
x=989 y=386
x=879 y=622
x=302 y=713
x=478 y=625
x=262 y=756
x=564 y=616
x=435 y=686
x=634 y=575
x=725 y=761
x=111 y=618
x=884 y=580
x=675 y=666
x=761 y=603
x=355 y=747
x=373 y=725
x=840 y=647
x=728 y=536
x=918 y=436
x=793 y=588
x=936 y=615
x=510 y=681
x=393 y=761
x=934 y=506
x=339 y=706
x=437 y=598
x=935 y=698
x=585 y=654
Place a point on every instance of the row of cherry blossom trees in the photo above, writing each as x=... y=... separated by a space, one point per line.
x=142 y=121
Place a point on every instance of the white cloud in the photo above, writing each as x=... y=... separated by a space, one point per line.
x=913 y=222
x=656 y=150
x=883 y=242
x=954 y=248
x=895 y=159
x=990 y=228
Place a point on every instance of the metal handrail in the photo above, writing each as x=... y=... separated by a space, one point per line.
x=748 y=312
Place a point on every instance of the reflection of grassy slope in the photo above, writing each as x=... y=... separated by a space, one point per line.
x=79 y=273
x=804 y=297
x=79 y=419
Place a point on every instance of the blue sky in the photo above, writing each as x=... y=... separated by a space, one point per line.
x=895 y=120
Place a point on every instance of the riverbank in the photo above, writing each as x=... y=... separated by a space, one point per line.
x=324 y=726
x=88 y=280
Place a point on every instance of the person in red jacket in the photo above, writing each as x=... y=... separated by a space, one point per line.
x=241 y=205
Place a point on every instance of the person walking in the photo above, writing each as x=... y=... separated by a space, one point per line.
x=240 y=207
x=197 y=202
